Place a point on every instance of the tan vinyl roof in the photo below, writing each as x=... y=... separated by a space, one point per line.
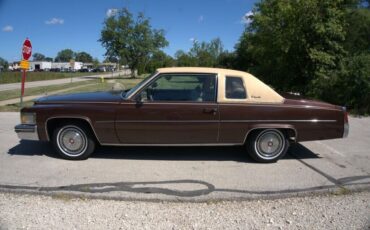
x=257 y=91
x=199 y=70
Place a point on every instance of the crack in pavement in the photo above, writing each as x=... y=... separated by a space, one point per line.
x=337 y=182
x=151 y=189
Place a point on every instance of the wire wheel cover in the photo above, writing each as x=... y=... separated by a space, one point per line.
x=72 y=141
x=269 y=144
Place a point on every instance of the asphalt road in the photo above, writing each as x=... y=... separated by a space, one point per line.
x=32 y=84
x=191 y=174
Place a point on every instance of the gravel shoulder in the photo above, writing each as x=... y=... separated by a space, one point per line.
x=351 y=211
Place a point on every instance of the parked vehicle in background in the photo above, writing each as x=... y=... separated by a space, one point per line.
x=85 y=70
x=183 y=107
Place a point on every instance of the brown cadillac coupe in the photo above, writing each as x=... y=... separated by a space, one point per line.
x=183 y=107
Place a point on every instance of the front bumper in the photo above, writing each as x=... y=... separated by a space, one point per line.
x=27 y=132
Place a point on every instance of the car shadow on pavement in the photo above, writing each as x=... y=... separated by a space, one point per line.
x=237 y=153
x=32 y=148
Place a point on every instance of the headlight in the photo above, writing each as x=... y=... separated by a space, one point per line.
x=28 y=118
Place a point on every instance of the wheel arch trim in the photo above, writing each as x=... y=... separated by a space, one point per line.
x=271 y=126
x=70 y=117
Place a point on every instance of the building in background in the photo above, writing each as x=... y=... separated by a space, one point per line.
x=40 y=66
x=14 y=66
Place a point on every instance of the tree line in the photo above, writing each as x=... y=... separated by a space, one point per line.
x=66 y=55
x=318 y=48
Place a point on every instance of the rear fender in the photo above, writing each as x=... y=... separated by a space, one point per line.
x=292 y=135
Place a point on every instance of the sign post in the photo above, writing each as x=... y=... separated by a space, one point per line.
x=72 y=66
x=26 y=53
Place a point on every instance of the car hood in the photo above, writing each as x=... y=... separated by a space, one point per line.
x=109 y=96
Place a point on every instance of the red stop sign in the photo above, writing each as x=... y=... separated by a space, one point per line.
x=27 y=49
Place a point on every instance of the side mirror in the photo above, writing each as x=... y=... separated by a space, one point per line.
x=139 y=98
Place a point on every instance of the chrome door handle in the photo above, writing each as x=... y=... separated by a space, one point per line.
x=210 y=110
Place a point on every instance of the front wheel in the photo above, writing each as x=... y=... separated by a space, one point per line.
x=73 y=142
x=267 y=145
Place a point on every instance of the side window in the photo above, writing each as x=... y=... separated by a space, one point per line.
x=181 y=87
x=235 y=88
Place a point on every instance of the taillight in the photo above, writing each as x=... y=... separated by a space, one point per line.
x=345 y=117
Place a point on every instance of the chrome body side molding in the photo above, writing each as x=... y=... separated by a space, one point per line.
x=175 y=145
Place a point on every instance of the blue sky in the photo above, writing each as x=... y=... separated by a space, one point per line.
x=56 y=25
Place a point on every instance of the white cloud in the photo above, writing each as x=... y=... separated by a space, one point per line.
x=8 y=29
x=111 y=12
x=193 y=40
x=247 y=17
x=201 y=18
x=55 y=21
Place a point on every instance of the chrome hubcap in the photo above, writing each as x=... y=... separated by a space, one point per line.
x=269 y=144
x=72 y=141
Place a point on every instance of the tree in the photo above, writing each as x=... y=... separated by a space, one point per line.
x=357 y=30
x=295 y=45
x=111 y=59
x=207 y=54
x=48 y=59
x=131 y=40
x=3 y=64
x=83 y=57
x=65 y=55
x=243 y=58
x=95 y=63
x=184 y=59
x=38 y=57
x=159 y=60
x=353 y=84
x=226 y=60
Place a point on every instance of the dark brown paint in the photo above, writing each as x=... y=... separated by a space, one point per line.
x=119 y=121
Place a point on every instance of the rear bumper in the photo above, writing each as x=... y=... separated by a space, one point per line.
x=27 y=132
x=345 y=130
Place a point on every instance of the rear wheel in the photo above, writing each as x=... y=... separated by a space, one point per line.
x=73 y=141
x=267 y=145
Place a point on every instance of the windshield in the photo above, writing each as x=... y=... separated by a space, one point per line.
x=132 y=90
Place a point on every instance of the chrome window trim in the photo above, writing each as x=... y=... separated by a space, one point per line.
x=129 y=97
x=244 y=86
x=157 y=75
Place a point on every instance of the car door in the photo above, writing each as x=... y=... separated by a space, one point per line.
x=173 y=109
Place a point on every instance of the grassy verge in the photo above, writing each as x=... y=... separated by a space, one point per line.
x=10 y=94
x=86 y=86
x=14 y=77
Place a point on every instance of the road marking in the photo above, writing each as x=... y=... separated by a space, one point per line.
x=331 y=149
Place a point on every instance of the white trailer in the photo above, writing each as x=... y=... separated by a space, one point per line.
x=76 y=65
x=40 y=66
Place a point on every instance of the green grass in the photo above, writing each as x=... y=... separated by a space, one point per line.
x=14 y=77
x=87 y=86
x=106 y=86
x=15 y=107
x=10 y=94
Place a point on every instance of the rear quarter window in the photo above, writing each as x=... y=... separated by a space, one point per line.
x=235 y=88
